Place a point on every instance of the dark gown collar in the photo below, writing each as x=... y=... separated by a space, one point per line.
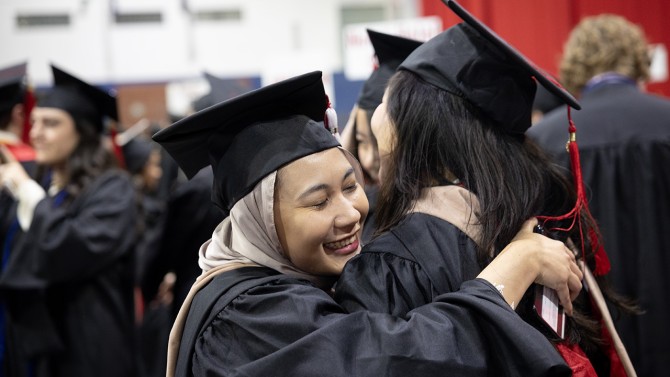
x=607 y=79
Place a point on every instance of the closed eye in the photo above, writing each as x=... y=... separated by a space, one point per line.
x=351 y=187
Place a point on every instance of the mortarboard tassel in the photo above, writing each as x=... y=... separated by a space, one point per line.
x=601 y=260
x=116 y=148
x=330 y=120
x=28 y=104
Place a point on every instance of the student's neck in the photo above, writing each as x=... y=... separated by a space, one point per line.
x=59 y=178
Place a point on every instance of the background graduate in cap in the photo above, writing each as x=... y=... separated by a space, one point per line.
x=69 y=281
x=295 y=208
x=15 y=106
x=357 y=137
x=16 y=102
x=461 y=180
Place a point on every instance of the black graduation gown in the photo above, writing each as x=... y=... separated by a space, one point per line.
x=412 y=264
x=371 y=192
x=256 y=322
x=69 y=283
x=9 y=234
x=624 y=144
x=190 y=219
x=408 y=267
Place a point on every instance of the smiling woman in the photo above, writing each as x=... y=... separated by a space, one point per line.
x=53 y=136
x=324 y=212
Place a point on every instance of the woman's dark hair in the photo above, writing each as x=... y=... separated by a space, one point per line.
x=512 y=179
x=5 y=118
x=90 y=157
x=437 y=132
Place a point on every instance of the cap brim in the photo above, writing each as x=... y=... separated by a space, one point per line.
x=187 y=140
x=542 y=77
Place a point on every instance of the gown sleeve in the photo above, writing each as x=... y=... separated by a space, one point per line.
x=408 y=267
x=281 y=329
x=77 y=241
x=383 y=283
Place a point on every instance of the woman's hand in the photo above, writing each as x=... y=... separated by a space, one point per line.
x=558 y=268
x=12 y=174
x=534 y=258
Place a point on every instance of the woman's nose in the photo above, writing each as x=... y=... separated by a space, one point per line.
x=348 y=214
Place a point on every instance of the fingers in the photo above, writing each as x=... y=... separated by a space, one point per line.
x=569 y=291
x=561 y=272
x=571 y=255
x=575 y=275
x=565 y=299
x=7 y=156
x=574 y=286
x=577 y=270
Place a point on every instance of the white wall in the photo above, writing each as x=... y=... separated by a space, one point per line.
x=273 y=38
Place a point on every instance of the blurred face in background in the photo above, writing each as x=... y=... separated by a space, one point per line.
x=152 y=172
x=366 y=145
x=53 y=136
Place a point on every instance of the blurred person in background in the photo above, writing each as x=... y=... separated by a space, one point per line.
x=142 y=158
x=170 y=269
x=357 y=136
x=624 y=142
x=68 y=284
x=16 y=101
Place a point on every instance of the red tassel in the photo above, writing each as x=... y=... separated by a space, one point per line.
x=117 y=149
x=602 y=261
x=28 y=105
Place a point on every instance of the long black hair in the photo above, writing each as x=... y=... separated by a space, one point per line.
x=437 y=133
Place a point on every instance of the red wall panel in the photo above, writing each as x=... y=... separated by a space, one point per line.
x=538 y=29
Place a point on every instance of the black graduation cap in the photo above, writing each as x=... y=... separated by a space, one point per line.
x=79 y=98
x=136 y=153
x=12 y=86
x=391 y=50
x=219 y=90
x=249 y=136
x=545 y=101
x=473 y=62
x=202 y=102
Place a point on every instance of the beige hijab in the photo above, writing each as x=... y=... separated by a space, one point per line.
x=247 y=237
